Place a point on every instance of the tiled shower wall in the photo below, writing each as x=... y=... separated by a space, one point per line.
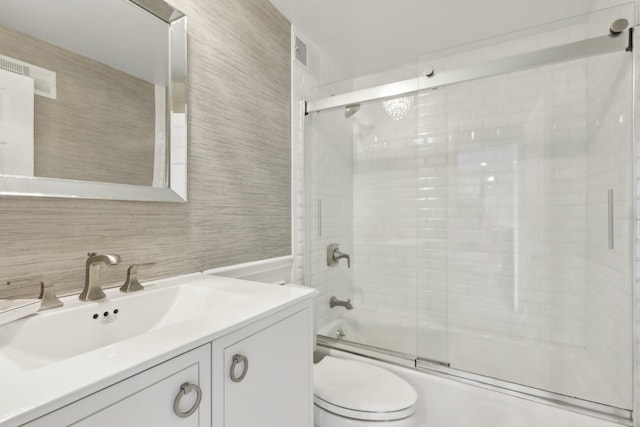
x=239 y=207
x=385 y=208
x=469 y=177
x=514 y=203
x=330 y=147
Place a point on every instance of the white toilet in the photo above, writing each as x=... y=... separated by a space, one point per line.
x=348 y=393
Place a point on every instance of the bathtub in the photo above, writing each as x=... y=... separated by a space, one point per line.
x=445 y=402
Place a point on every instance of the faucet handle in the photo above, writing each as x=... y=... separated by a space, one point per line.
x=337 y=255
x=334 y=255
x=48 y=296
x=132 y=284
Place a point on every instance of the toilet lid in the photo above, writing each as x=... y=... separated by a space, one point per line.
x=361 y=390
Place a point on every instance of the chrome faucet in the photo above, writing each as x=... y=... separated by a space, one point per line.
x=335 y=302
x=92 y=288
x=334 y=255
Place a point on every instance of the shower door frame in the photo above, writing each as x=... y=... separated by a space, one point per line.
x=610 y=43
x=568 y=52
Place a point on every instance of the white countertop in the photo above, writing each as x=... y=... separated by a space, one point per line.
x=26 y=394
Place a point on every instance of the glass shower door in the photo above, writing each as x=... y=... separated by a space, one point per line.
x=489 y=218
x=329 y=214
x=361 y=166
x=534 y=228
x=432 y=332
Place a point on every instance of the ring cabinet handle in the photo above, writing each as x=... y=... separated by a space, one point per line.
x=238 y=358
x=185 y=389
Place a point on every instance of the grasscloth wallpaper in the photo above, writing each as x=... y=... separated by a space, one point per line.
x=239 y=207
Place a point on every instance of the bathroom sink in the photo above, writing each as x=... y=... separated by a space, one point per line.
x=81 y=327
x=56 y=357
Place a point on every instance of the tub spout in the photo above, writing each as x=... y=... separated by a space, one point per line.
x=335 y=302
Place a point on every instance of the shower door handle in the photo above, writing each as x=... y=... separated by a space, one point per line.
x=610 y=217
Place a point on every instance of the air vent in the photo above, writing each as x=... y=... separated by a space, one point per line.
x=301 y=51
x=44 y=80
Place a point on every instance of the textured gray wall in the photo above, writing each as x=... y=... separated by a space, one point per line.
x=239 y=171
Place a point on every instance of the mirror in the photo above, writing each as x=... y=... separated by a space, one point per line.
x=93 y=99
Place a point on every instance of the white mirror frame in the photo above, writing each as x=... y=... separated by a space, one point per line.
x=176 y=166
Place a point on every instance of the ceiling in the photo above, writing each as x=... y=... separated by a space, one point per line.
x=364 y=36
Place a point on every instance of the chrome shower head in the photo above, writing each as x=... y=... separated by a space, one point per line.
x=350 y=110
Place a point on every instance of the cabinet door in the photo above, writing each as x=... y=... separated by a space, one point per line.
x=276 y=390
x=146 y=399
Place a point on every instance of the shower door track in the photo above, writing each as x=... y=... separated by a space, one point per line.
x=574 y=404
x=572 y=51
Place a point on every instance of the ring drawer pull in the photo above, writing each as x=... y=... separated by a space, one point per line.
x=185 y=389
x=238 y=358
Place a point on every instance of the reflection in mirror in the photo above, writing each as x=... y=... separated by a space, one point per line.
x=92 y=99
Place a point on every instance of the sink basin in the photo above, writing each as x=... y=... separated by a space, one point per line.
x=53 y=336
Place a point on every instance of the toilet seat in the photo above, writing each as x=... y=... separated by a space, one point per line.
x=362 y=391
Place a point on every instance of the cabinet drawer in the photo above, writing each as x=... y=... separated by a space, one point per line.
x=146 y=399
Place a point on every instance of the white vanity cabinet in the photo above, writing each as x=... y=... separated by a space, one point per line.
x=146 y=399
x=258 y=375
x=265 y=375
